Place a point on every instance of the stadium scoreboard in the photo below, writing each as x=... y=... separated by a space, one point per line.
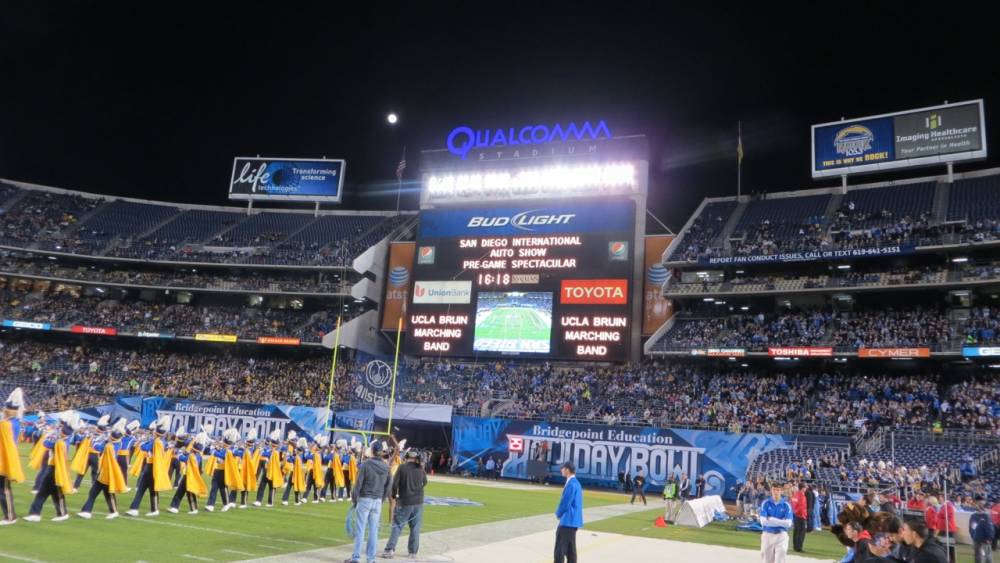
x=541 y=279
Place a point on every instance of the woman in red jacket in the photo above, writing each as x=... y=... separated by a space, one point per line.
x=930 y=516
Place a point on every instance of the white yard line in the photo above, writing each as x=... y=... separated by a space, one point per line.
x=19 y=558
x=199 y=558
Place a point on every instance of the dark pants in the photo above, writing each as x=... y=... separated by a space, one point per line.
x=92 y=466
x=411 y=516
x=181 y=493
x=565 y=545
x=266 y=483
x=311 y=488
x=640 y=493
x=96 y=489
x=328 y=484
x=7 y=499
x=123 y=464
x=798 y=533
x=145 y=484
x=48 y=489
x=218 y=486
x=41 y=473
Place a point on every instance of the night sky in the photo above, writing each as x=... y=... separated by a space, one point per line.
x=116 y=98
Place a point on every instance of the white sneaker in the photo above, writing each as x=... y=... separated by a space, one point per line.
x=34 y=491
x=340 y=500
x=243 y=506
x=32 y=518
x=7 y=522
x=269 y=505
x=210 y=508
x=62 y=518
x=132 y=512
x=153 y=513
x=84 y=515
x=284 y=503
x=111 y=516
x=315 y=501
x=172 y=510
x=225 y=507
x=127 y=490
x=256 y=503
x=193 y=512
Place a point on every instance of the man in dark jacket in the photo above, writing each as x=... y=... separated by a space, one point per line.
x=408 y=490
x=370 y=489
x=982 y=531
x=926 y=549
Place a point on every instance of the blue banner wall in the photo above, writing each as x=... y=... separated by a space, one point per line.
x=191 y=415
x=600 y=452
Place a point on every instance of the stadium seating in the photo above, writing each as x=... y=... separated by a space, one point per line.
x=975 y=199
x=703 y=231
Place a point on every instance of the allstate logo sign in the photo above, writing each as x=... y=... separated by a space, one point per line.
x=378 y=374
x=398 y=276
x=657 y=274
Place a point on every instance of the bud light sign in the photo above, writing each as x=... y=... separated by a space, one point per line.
x=287 y=179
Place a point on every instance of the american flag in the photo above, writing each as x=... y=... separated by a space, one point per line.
x=401 y=166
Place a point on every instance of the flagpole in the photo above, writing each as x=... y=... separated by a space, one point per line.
x=399 y=178
x=739 y=161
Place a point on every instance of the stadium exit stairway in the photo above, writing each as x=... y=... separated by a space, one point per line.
x=723 y=239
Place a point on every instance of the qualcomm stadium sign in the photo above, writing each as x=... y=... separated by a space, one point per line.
x=463 y=139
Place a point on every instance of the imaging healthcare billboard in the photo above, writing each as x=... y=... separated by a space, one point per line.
x=921 y=137
x=542 y=280
x=284 y=179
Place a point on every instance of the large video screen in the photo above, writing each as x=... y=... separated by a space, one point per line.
x=543 y=280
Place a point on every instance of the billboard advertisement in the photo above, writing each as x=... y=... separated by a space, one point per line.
x=921 y=137
x=540 y=280
x=192 y=414
x=656 y=309
x=397 y=288
x=300 y=179
x=600 y=451
x=894 y=352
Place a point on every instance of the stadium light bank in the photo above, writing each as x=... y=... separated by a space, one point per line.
x=557 y=180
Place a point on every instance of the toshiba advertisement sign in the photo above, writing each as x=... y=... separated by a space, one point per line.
x=594 y=292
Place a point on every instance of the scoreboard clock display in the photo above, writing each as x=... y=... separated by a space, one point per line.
x=541 y=280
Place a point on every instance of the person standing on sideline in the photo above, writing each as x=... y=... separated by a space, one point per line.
x=638 y=487
x=983 y=532
x=491 y=464
x=684 y=489
x=370 y=488
x=775 y=519
x=800 y=511
x=670 y=499
x=408 y=490
x=699 y=486
x=570 y=515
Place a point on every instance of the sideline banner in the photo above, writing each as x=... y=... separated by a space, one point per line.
x=191 y=414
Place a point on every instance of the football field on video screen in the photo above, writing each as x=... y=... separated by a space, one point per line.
x=513 y=327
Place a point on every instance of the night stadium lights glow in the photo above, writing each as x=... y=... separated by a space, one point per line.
x=555 y=180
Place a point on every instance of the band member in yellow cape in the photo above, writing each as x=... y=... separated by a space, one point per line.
x=226 y=475
x=271 y=461
x=10 y=461
x=191 y=485
x=110 y=480
x=128 y=447
x=300 y=468
x=288 y=456
x=56 y=482
x=249 y=456
x=316 y=470
x=86 y=455
x=334 y=477
x=342 y=461
x=352 y=463
x=154 y=477
x=182 y=442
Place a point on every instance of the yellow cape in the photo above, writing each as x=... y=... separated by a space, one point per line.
x=234 y=479
x=109 y=472
x=79 y=465
x=10 y=461
x=60 y=468
x=210 y=464
x=319 y=472
x=161 y=467
x=251 y=461
x=352 y=469
x=194 y=482
x=274 y=474
x=38 y=453
x=298 y=475
x=338 y=471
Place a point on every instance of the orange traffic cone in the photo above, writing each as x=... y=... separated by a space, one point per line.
x=660 y=523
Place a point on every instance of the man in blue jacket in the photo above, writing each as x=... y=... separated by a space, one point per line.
x=775 y=519
x=570 y=515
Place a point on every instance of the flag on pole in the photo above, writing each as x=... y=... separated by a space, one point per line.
x=401 y=166
x=739 y=145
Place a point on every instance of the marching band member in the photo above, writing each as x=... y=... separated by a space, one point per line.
x=39 y=457
x=153 y=464
x=334 y=478
x=181 y=443
x=128 y=447
x=56 y=482
x=273 y=476
x=340 y=471
x=250 y=455
x=10 y=461
x=110 y=479
x=87 y=454
x=226 y=474
x=288 y=456
x=299 y=470
x=191 y=485
x=316 y=469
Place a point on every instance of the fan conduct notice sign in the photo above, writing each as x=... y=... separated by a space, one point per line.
x=287 y=179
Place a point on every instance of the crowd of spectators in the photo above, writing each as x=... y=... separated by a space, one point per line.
x=983 y=326
x=850 y=401
x=889 y=328
x=751 y=331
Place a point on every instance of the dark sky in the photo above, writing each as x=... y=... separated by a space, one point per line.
x=117 y=98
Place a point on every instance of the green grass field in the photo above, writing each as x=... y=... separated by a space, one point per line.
x=237 y=534
x=513 y=330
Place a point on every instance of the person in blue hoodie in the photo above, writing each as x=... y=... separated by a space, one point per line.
x=570 y=515
x=775 y=520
